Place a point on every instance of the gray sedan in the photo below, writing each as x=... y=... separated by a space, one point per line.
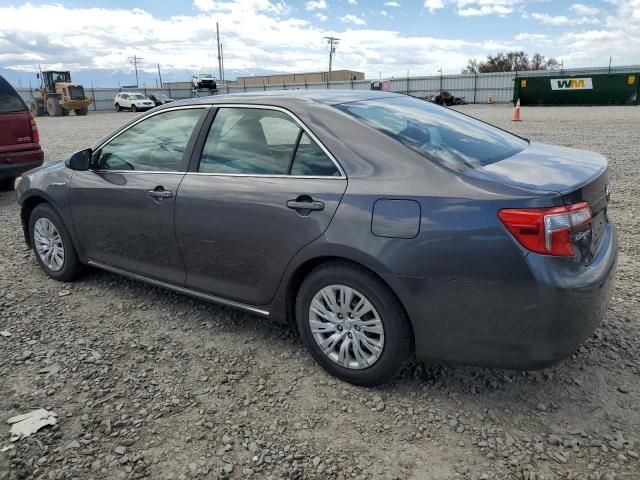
x=381 y=225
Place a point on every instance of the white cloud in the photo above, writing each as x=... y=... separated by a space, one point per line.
x=433 y=5
x=352 y=2
x=392 y=4
x=532 y=37
x=484 y=10
x=321 y=16
x=563 y=20
x=474 y=8
x=316 y=5
x=582 y=9
x=353 y=19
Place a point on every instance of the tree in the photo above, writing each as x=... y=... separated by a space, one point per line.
x=509 y=62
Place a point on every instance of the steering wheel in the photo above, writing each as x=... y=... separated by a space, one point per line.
x=117 y=159
x=153 y=151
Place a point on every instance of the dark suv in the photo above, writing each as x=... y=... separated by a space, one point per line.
x=19 y=141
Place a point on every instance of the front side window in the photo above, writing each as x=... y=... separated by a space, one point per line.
x=157 y=143
x=454 y=140
x=255 y=141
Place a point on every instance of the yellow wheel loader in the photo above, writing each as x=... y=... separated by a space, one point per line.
x=57 y=96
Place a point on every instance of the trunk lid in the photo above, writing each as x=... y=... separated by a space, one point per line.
x=577 y=175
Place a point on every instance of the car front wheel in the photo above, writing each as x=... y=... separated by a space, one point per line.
x=52 y=244
x=353 y=324
x=117 y=107
x=133 y=108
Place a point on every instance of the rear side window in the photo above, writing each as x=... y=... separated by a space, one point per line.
x=10 y=101
x=253 y=141
x=454 y=140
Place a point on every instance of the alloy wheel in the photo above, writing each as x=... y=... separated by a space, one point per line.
x=346 y=326
x=48 y=244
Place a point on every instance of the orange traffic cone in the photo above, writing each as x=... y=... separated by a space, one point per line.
x=516 y=112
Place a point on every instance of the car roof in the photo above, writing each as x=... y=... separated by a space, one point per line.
x=294 y=97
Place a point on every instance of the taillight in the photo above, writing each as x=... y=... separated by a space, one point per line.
x=35 y=136
x=546 y=230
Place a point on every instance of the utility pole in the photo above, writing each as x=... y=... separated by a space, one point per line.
x=222 y=62
x=219 y=52
x=134 y=61
x=333 y=43
x=159 y=75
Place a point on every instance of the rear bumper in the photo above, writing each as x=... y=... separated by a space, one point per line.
x=539 y=316
x=14 y=164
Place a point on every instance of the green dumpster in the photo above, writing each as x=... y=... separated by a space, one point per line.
x=578 y=89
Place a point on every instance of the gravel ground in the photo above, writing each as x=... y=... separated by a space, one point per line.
x=148 y=383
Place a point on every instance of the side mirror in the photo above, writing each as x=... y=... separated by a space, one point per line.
x=80 y=160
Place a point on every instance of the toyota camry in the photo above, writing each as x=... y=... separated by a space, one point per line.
x=382 y=226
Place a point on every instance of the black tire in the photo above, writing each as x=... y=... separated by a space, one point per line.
x=37 y=107
x=54 y=109
x=117 y=107
x=7 y=183
x=81 y=112
x=133 y=108
x=72 y=268
x=398 y=336
x=65 y=112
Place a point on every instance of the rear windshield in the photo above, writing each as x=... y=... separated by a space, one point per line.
x=10 y=101
x=454 y=140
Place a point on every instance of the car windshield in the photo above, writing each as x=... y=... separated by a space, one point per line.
x=138 y=96
x=450 y=138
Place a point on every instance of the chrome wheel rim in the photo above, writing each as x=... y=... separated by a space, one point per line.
x=346 y=326
x=48 y=243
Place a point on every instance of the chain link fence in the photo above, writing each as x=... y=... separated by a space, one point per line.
x=474 y=88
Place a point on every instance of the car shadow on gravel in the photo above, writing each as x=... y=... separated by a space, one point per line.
x=465 y=381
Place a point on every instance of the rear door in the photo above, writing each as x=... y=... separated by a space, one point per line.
x=262 y=189
x=15 y=122
x=123 y=210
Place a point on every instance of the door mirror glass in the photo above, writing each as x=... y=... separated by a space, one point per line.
x=80 y=160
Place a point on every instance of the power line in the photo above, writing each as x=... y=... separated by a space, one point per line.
x=333 y=43
x=134 y=61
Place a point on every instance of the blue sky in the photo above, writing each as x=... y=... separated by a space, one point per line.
x=379 y=37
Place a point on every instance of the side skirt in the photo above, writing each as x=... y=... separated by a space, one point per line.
x=176 y=288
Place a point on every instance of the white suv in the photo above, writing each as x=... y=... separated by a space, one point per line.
x=133 y=101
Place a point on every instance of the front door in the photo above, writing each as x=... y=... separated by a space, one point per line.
x=264 y=188
x=123 y=210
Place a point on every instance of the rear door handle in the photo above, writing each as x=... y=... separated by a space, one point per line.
x=160 y=192
x=312 y=205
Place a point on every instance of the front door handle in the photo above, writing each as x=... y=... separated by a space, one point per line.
x=305 y=205
x=160 y=193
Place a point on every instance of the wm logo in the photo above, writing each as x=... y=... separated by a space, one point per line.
x=571 y=84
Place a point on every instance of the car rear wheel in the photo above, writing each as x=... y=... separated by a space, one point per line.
x=353 y=324
x=52 y=244
x=117 y=107
x=133 y=108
